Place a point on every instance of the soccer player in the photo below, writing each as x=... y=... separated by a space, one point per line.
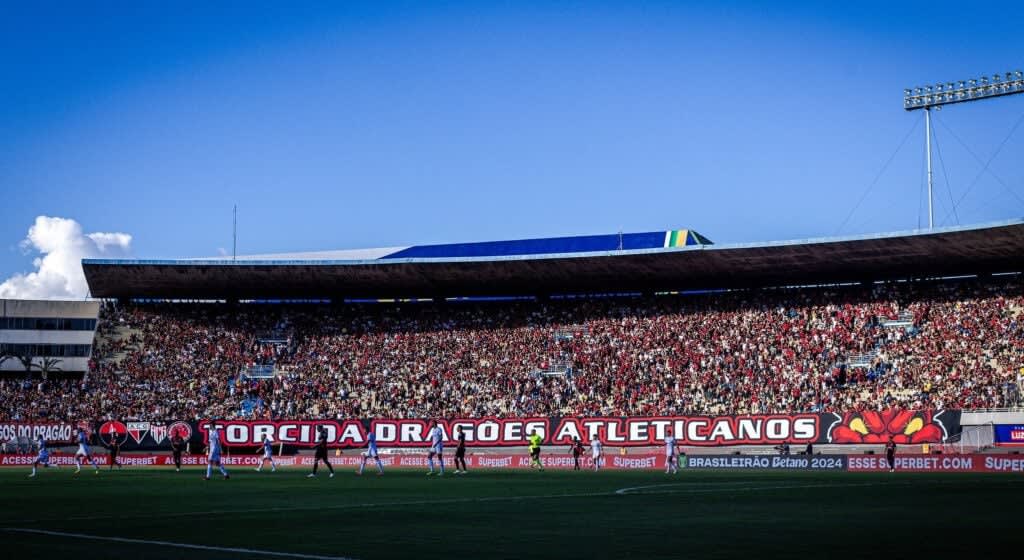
x=115 y=448
x=213 y=453
x=321 y=452
x=43 y=458
x=371 y=453
x=671 y=458
x=577 y=450
x=535 y=439
x=268 y=455
x=177 y=446
x=435 y=436
x=460 y=451
x=890 y=454
x=596 y=452
x=83 y=453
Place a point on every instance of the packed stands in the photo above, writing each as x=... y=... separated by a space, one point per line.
x=950 y=344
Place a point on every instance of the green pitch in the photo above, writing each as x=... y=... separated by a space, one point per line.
x=505 y=514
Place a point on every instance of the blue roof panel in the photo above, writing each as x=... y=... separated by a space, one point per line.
x=578 y=244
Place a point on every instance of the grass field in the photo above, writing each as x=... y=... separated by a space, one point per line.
x=505 y=514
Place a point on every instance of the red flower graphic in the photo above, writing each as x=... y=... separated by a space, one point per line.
x=904 y=426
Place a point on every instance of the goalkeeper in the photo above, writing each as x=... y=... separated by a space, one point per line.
x=535 y=440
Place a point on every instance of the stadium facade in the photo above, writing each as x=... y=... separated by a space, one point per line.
x=55 y=336
x=611 y=264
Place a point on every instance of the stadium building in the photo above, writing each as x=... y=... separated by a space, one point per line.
x=639 y=264
x=832 y=341
x=47 y=337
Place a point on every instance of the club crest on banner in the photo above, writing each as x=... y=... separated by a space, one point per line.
x=138 y=430
x=113 y=431
x=901 y=426
x=158 y=433
x=180 y=428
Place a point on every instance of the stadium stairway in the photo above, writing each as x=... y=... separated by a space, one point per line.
x=905 y=320
x=120 y=339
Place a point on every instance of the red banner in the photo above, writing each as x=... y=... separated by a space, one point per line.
x=647 y=461
x=511 y=461
x=561 y=461
x=54 y=432
x=938 y=463
x=903 y=426
x=21 y=460
x=513 y=432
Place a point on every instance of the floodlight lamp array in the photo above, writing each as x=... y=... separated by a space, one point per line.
x=925 y=97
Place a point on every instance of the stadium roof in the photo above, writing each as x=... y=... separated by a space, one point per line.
x=547 y=246
x=462 y=270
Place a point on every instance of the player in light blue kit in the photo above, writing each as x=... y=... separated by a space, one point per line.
x=371 y=453
x=268 y=455
x=436 y=438
x=213 y=456
x=83 y=453
x=43 y=458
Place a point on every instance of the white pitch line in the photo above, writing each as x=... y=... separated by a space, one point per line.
x=176 y=545
x=630 y=491
x=702 y=485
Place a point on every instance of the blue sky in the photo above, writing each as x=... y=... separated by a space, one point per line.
x=344 y=125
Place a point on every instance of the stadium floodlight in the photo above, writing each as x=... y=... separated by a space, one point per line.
x=929 y=97
x=985 y=87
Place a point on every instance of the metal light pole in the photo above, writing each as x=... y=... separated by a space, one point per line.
x=928 y=150
x=927 y=97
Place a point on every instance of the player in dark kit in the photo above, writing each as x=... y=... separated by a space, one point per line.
x=890 y=454
x=577 y=450
x=177 y=446
x=460 y=451
x=321 y=452
x=115 y=448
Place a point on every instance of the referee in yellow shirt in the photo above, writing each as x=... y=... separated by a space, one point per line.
x=535 y=440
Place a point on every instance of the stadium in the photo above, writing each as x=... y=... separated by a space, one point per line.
x=777 y=373
x=327 y=281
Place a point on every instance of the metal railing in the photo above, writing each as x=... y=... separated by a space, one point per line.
x=904 y=319
x=554 y=369
x=861 y=360
x=264 y=371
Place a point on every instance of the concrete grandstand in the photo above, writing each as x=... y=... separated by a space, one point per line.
x=847 y=359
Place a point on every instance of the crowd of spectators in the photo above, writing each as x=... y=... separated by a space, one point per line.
x=953 y=344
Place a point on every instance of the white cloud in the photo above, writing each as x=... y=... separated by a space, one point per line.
x=62 y=246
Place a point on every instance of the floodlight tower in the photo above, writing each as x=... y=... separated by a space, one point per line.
x=927 y=97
